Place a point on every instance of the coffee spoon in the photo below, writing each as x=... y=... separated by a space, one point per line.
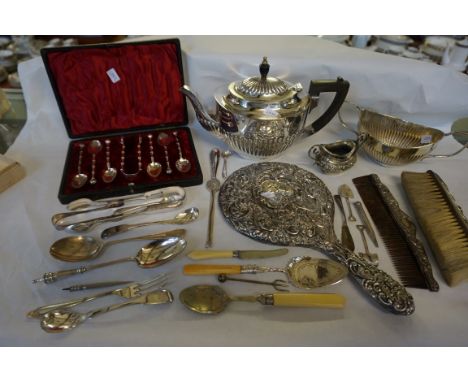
x=154 y=168
x=93 y=148
x=164 y=140
x=109 y=173
x=59 y=321
x=184 y=217
x=80 y=179
x=81 y=248
x=182 y=164
x=154 y=254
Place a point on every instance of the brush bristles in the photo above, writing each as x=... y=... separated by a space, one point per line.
x=441 y=221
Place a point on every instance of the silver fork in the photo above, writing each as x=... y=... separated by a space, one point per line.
x=129 y=291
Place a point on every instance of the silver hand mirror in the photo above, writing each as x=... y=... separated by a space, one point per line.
x=285 y=205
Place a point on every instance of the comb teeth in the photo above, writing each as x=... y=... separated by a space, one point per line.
x=442 y=221
x=398 y=234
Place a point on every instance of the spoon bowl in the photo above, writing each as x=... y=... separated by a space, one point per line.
x=59 y=321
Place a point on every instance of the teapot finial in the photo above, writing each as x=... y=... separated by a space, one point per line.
x=264 y=68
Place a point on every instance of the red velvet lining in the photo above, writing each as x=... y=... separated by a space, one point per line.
x=147 y=93
x=131 y=161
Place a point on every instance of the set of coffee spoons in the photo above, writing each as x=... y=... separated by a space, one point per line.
x=109 y=173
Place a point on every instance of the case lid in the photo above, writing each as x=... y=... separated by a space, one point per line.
x=112 y=88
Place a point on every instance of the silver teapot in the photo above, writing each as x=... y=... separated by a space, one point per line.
x=260 y=117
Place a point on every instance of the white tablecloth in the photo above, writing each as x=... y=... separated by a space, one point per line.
x=419 y=91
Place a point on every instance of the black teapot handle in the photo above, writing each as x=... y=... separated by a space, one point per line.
x=340 y=86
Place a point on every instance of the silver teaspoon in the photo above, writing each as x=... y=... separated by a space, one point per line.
x=182 y=164
x=80 y=179
x=109 y=173
x=164 y=140
x=154 y=168
x=93 y=148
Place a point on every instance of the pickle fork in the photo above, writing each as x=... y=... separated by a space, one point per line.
x=130 y=291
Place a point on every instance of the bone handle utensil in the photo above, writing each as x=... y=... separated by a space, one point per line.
x=366 y=223
x=346 y=237
x=371 y=257
x=347 y=193
x=213 y=186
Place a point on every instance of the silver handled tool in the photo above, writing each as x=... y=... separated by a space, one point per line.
x=346 y=238
x=373 y=258
x=278 y=284
x=366 y=223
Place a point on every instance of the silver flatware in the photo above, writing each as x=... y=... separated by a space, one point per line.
x=58 y=321
x=154 y=254
x=346 y=238
x=82 y=248
x=103 y=284
x=84 y=205
x=184 y=217
x=61 y=222
x=129 y=291
x=345 y=192
x=94 y=148
x=182 y=164
x=366 y=223
x=80 y=179
x=213 y=186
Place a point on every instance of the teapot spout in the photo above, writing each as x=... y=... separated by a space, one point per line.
x=203 y=117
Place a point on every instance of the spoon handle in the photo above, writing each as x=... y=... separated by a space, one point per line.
x=51 y=277
x=115 y=230
x=153 y=236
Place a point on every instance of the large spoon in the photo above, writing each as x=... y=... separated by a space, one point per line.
x=302 y=271
x=81 y=248
x=184 y=217
x=211 y=299
x=59 y=321
x=154 y=254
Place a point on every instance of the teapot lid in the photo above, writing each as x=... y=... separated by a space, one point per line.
x=257 y=91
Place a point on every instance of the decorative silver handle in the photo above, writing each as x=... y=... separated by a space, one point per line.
x=387 y=292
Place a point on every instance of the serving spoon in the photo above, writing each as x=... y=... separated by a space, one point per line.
x=184 y=217
x=81 y=248
x=154 y=254
x=211 y=299
x=59 y=321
